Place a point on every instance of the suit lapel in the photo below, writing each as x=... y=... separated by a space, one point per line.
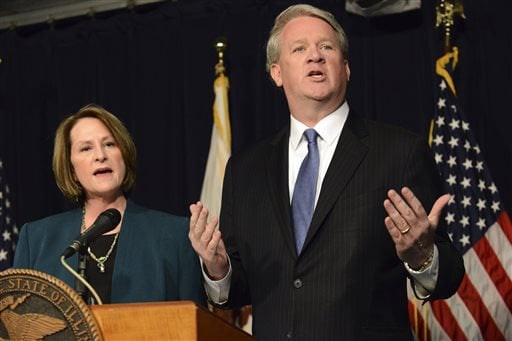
x=349 y=154
x=276 y=167
x=67 y=235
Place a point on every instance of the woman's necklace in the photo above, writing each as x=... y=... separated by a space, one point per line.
x=100 y=261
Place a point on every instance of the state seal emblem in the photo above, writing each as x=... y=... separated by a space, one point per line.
x=37 y=306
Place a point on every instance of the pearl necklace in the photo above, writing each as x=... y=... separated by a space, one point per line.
x=100 y=261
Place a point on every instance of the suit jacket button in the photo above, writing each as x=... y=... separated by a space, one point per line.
x=289 y=335
x=297 y=283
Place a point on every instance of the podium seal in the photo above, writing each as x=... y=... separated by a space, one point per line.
x=38 y=306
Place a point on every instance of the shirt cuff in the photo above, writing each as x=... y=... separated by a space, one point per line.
x=425 y=281
x=217 y=291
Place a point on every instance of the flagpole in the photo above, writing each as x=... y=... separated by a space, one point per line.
x=220 y=149
x=220 y=143
x=220 y=45
x=446 y=10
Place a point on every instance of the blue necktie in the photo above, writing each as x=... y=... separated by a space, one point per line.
x=303 y=201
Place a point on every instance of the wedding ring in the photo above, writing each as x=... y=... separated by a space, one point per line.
x=406 y=230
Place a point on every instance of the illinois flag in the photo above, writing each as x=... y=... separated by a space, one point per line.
x=8 y=229
x=220 y=146
x=478 y=226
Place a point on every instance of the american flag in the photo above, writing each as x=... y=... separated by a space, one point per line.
x=8 y=229
x=478 y=226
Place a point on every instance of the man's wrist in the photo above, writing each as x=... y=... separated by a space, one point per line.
x=425 y=265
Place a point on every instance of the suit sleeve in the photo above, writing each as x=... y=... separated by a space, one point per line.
x=238 y=294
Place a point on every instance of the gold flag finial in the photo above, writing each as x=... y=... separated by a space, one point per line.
x=446 y=10
x=220 y=45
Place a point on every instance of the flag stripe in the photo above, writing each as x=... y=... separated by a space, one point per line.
x=475 y=298
x=419 y=326
x=494 y=268
x=447 y=320
x=498 y=240
x=435 y=330
x=504 y=220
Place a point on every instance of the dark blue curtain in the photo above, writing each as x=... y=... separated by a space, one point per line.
x=153 y=67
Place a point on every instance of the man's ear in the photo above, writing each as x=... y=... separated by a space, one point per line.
x=275 y=73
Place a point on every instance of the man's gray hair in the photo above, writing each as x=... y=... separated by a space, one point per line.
x=295 y=11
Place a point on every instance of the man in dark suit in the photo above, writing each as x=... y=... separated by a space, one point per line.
x=346 y=279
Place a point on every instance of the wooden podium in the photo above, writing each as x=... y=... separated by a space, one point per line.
x=183 y=321
x=35 y=305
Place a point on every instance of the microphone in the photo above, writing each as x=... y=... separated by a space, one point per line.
x=105 y=222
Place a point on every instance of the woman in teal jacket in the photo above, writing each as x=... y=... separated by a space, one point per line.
x=147 y=257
